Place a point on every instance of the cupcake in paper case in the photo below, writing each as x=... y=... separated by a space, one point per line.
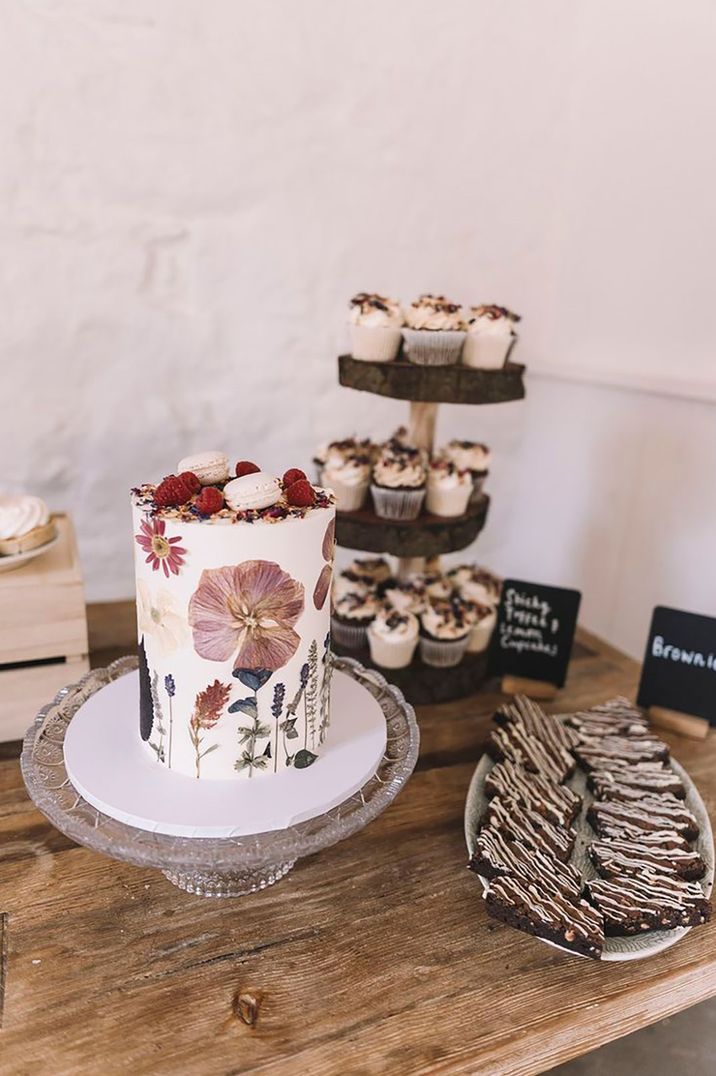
x=448 y=489
x=475 y=584
x=490 y=336
x=444 y=634
x=406 y=595
x=348 y=477
x=482 y=620
x=349 y=582
x=374 y=570
x=435 y=331
x=352 y=613
x=392 y=638
x=375 y=324
x=334 y=453
x=469 y=456
x=398 y=486
x=437 y=586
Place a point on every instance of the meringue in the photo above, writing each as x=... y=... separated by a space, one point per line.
x=259 y=490
x=209 y=467
x=21 y=513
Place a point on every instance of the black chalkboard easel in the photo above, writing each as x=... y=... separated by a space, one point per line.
x=678 y=677
x=532 y=642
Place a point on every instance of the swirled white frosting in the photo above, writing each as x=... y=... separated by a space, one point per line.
x=445 y=475
x=360 y=608
x=491 y=320
x=467 y=455
x=348 y=471
x=20 y=513
x=476 y=584
x=375 y=311
x=372 y=569
x=406 y=595
x=434 y=312
x=400 y=467
x=394 y=626
x=445 y=620
x=257 y=490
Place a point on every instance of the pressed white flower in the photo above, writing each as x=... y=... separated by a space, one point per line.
x=159 y=618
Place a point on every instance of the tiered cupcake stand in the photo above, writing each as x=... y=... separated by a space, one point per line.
x=425 y=539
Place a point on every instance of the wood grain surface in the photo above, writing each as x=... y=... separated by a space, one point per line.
x=404 y=380
x=375 y=956
x=426 y=536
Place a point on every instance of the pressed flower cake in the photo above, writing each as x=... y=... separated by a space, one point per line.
x=233 y=612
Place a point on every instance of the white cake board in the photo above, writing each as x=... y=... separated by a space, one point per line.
x=113 y=769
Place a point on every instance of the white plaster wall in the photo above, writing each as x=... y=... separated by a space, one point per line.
x=191 y=189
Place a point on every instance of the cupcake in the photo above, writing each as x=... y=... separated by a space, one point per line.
x=348 y=582
x=490 y=336
x=352 y=613
x=374 y=324
x=348 y=477
x=435 y=331
x=437 y=586
x=448 y=489
x=398 y=486
x=476 y=584
x=335 y=452
x=482 y=620
x=444 y=633
x=405 y=595
x=373 y=570
x=392 y=638
x=469 y=456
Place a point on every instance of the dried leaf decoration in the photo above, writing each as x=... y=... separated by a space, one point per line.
x=146 y=708
x=322 y=587
x=329 y=540
x=209 y=704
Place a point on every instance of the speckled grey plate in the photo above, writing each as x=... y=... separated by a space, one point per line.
x=634 y=948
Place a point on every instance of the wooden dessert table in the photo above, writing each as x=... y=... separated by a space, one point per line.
x=375 y=956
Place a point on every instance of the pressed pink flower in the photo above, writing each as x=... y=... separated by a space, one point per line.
x=249 y=611
x=161 y=551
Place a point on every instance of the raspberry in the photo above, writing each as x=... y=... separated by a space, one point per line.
x=209 y=501
x=301 y=493
x=246 y=467
x=191 y=482
x=294 y=474
x=171 y=492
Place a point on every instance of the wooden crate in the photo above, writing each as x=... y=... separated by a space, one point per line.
x=43 y=631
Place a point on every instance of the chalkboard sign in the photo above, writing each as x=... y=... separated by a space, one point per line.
x=679 y=671
x=535 y=630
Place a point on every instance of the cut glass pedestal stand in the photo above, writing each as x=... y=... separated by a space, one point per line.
x=226 y=867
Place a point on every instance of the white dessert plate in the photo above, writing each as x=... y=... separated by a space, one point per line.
x=113 y=770
x=16 y=560
x=616 y=949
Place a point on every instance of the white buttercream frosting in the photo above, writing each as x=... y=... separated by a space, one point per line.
x=257 y=490
x=467 y=455
x=445 y=620
x=476 y=584
x=375 y=311
x=395 y=626
x=491 y=320
x=372 y=569
x=209 y=467
x=406 y=595
x=445 y=475
x=400 y=467
x=434 y=312
x=21 y=513
x=348 y=471
x=356 y=608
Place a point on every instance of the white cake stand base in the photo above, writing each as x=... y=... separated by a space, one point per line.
x=217 y=851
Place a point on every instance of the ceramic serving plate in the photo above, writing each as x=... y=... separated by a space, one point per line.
x=632 y=948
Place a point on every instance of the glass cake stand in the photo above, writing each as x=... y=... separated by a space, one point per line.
x=211 y=867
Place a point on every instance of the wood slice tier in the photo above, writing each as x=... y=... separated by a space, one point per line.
x=426 y=536
x=433 y=384
x=422 y=684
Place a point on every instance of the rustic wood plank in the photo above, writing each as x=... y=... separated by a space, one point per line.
x=375 y=956
x=405 y=380
x=426 y=536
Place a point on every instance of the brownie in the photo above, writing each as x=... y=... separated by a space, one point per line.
x=546 y=913
x=557 y=803
x=513 y=743
x=495 y=856
x=612 y=818
x=633 y=782
x=619 y=857
x=526 y=713
x=602 y=752
x=618 y=718
x=633 y=905
x=518 y=823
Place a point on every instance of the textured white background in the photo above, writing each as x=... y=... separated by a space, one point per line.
x=191 y=189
